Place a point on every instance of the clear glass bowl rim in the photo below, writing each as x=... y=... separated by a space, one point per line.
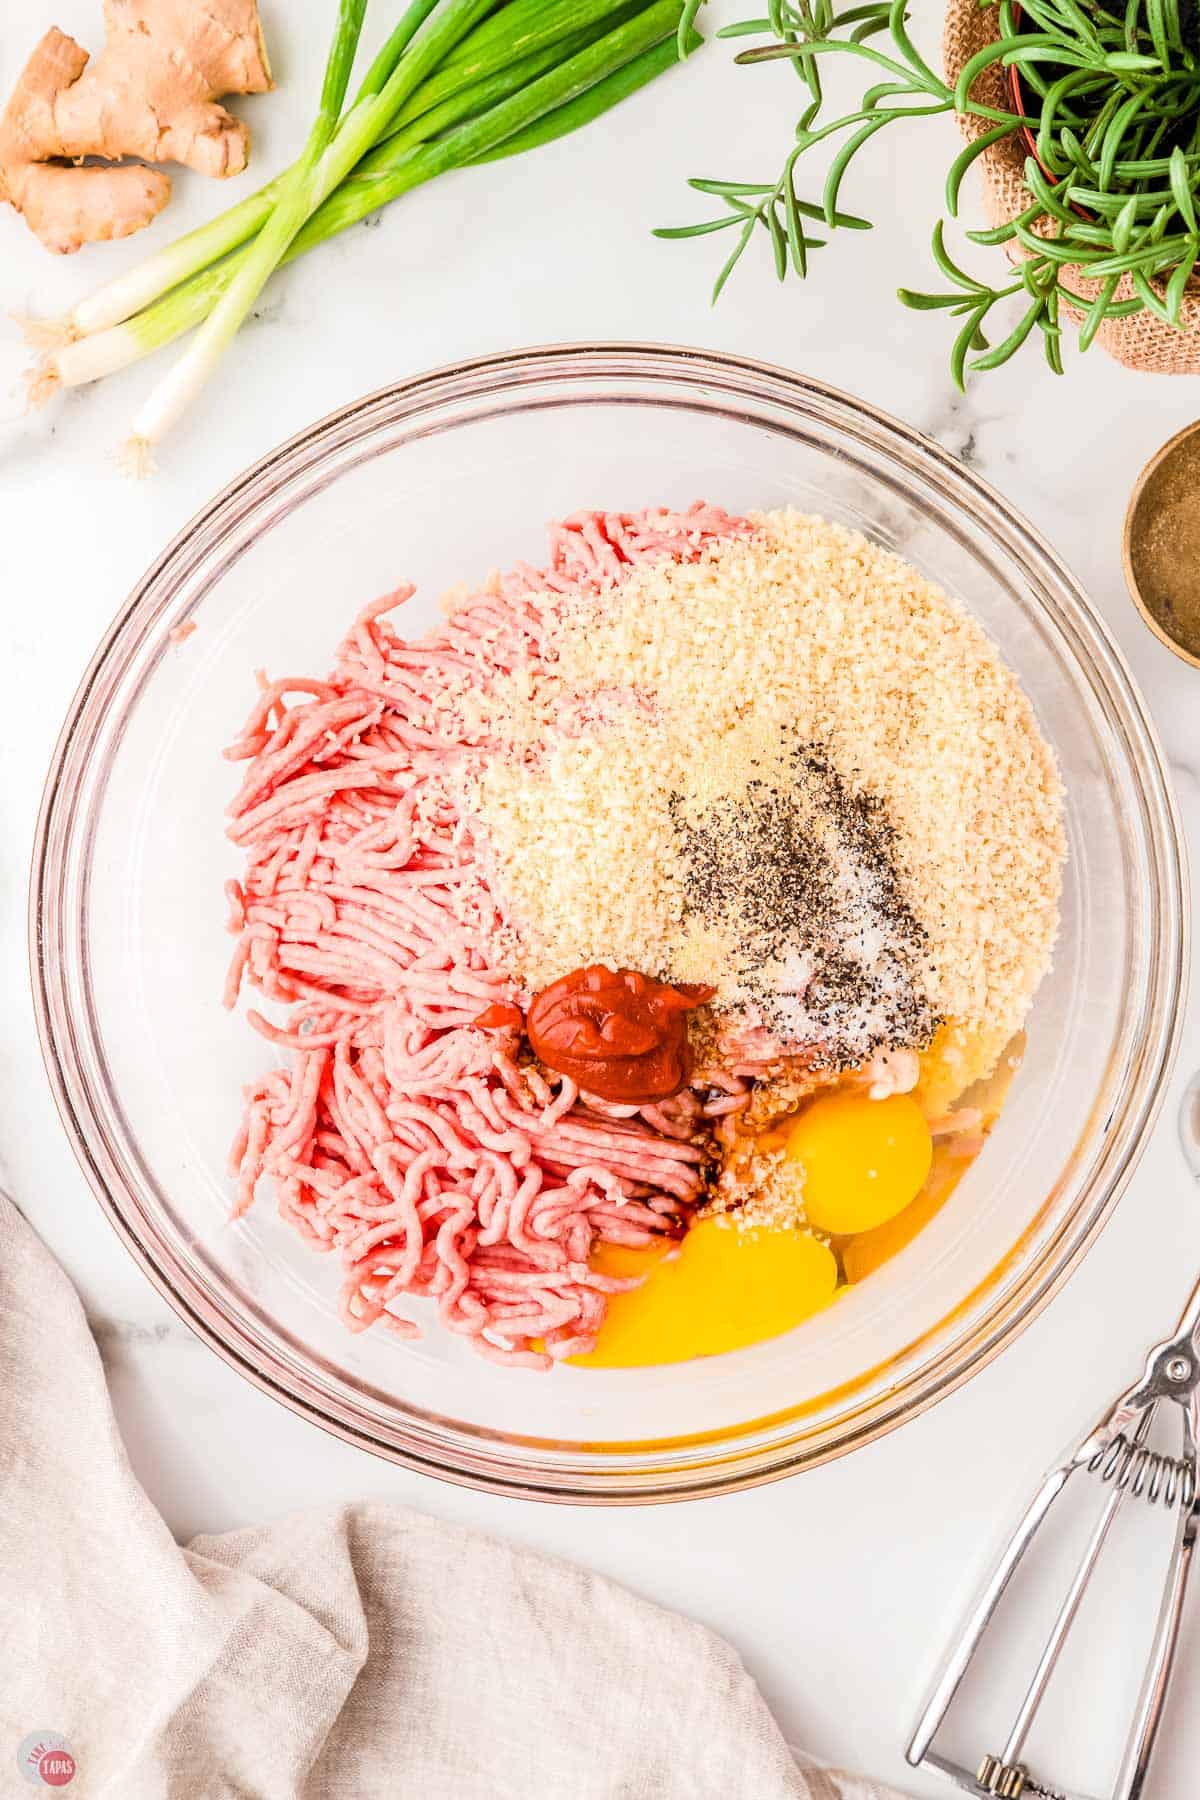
x=617 y=369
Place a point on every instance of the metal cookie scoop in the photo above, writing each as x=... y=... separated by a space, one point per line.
x=1114 y=1452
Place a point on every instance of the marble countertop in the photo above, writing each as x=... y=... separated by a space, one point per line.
x=839 y=1588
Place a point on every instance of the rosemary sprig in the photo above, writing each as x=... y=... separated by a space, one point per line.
x=1112 y=96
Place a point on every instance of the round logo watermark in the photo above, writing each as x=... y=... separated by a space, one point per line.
x=45 y=1759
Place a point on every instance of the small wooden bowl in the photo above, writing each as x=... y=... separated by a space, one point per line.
x=1140 y=500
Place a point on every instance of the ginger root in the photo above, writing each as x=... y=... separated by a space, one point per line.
x=151 y=93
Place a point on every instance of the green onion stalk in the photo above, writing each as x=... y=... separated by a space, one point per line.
x=330 y=153
x=121 y=298
x=293 y=206
x=459 y=82
x=487 y=65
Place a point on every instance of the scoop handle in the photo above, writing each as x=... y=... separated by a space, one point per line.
x=1136 y=1761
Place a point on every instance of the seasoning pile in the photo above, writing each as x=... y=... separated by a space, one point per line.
x=795 y=877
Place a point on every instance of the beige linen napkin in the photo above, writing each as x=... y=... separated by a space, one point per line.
x=354 y=1651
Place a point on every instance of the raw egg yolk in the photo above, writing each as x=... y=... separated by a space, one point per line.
x=862 y=1255
x=863 y=1160
x=719 y=1289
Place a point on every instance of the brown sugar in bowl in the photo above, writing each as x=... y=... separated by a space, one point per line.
x=1160 y=544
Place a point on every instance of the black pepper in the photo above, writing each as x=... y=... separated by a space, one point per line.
x=801 y=870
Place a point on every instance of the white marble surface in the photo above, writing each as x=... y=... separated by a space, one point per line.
x=839 y=1588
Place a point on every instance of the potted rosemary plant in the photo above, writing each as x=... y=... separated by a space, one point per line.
x=1084 y=116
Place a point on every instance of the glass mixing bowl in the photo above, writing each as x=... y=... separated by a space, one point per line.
x=444 y=477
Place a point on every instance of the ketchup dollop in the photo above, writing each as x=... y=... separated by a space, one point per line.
x=617 y=1033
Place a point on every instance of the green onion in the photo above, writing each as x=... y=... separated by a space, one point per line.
x=295 y=203
x=328 y=157
x=576 y=89
x=519 y=29
x=122 y=298
x=483 y=54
